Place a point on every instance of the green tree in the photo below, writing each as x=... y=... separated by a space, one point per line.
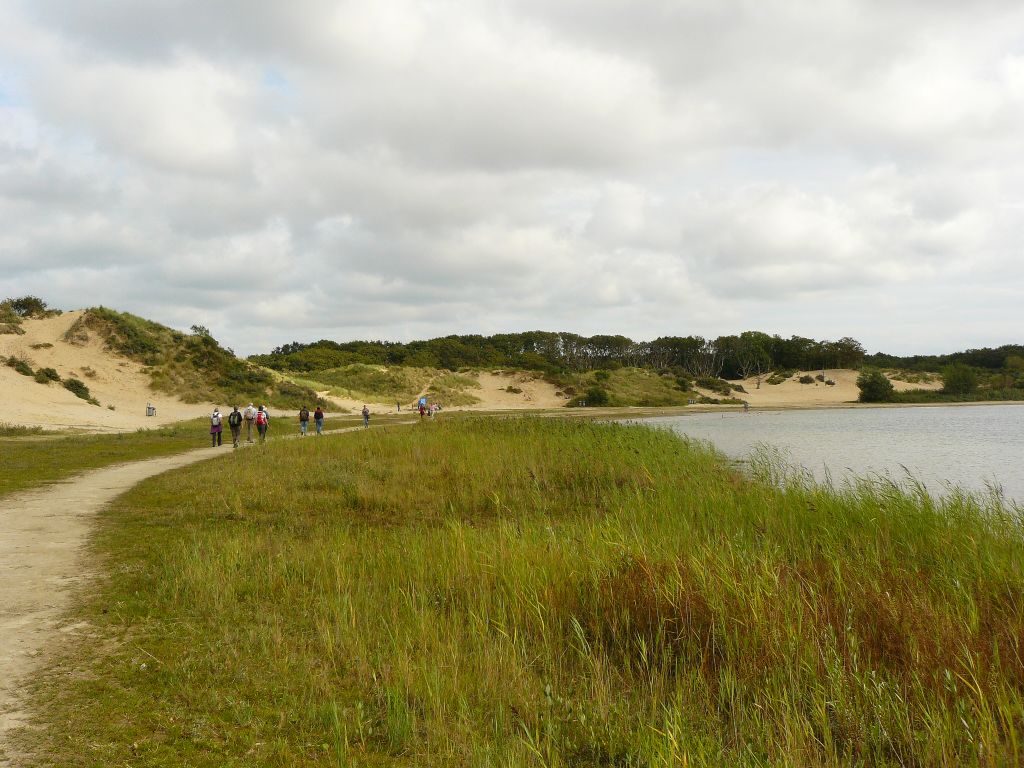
x=874 y=386
x=959 y=379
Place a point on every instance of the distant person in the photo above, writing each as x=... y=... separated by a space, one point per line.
x=398 y=406
x=249 y=414
x=423 y=410
x=235 y=422
x=303 y=420
x=262 y=422
x=216 y=428
x=318 y=419
x=366 y=417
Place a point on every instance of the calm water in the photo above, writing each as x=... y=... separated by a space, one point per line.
x=971 y=447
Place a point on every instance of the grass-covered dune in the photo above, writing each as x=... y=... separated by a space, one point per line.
x=192 y=366
x=539 y=592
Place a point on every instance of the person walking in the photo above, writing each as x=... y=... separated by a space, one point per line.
x=318 y=419
x=249 y=414
x=262 y=422
x=215 y=428
x=303 y=420
x=366 y=417
x=235 y=422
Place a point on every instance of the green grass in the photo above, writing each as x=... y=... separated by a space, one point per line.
x=37 y=461
x=636 y=387
x=938 y=396
x=537 y=592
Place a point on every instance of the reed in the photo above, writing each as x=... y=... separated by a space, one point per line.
x=533 y=592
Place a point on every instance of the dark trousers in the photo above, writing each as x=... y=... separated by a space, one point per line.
x=262 y=429
x=216 y=438
x=236 y=433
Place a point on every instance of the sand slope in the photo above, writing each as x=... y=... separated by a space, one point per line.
x=111 y=379
x=791 y=393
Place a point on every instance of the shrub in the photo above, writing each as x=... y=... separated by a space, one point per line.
x=829 y=383
x=594 y=397
x=602 y=375
x=874 y=386
x=738 y=388
x=77 y=388
x=46 y=375
x=820 y=377
x=805 y=379
x=42 y=345
x=20 y=365
x=959 y=379
x=721 y=386
x=513 y=390
x=779 y=376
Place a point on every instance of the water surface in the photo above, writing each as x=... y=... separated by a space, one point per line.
x=973 y=447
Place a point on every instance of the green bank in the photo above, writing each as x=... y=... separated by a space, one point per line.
x=531 y=592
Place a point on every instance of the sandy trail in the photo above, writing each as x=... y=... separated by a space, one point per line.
x=41 y=535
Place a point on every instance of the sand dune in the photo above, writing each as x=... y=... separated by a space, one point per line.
x=122 y=384
x=791 y=393
x=111 y=379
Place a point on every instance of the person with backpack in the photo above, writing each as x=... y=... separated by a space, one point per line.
x=249 y=414
x=303 y=420
x=235 y=422
x=366 y=417
x=318 y=419
x=215 y=428
x=262 y=422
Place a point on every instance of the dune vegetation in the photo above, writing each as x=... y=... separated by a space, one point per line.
x=194 y=367
x=539 y=592
x=405 y=384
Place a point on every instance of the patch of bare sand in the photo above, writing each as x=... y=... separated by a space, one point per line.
x=111 y=379
x=497 y=392
x=792 y=394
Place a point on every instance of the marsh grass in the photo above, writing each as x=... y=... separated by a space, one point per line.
x=539 y=592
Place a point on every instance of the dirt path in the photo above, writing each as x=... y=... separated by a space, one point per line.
x=41 y=535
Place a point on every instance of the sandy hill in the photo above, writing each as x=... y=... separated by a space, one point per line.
x=126 y=363
x=112 y=379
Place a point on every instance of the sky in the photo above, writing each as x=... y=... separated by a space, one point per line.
x=404 y=169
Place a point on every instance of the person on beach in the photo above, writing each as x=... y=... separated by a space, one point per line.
x=262 y=422
x=249 y=414
x=303 y=420
x=366 y=417
x=318 y=419
x=235 y=422
x=216 y=428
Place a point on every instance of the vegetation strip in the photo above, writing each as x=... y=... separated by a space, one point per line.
x=539 y=592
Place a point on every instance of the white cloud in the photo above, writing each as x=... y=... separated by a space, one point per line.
x=403 y=168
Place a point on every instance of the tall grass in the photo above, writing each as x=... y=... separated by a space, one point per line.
x=540 y=593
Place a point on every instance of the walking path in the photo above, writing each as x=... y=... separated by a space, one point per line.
x=42 y=532
x=41 y=535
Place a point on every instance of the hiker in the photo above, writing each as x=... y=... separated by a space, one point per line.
x=235 y=422
x=423 y=410
x=318 y=419
x=366 y=417
x=215 y=428
x=250 y=416
x=398 y=405
x=303 y=420
x=262 y=422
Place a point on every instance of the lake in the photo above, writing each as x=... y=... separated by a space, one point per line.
x=973 y=447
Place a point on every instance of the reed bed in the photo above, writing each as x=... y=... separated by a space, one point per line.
x=532 y=592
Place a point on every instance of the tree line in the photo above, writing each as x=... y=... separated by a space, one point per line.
x=746 y=355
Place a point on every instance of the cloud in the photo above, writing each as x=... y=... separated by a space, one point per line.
x=401 y=169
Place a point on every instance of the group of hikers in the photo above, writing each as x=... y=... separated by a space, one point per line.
x=260 y=417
